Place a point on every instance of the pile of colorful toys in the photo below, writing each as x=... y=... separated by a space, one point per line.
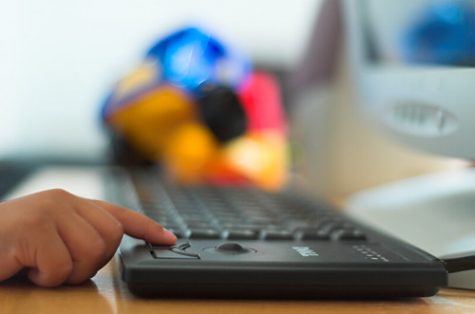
x=196 y=107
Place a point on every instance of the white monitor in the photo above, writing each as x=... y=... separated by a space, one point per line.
x=426 y=104
x=426 y=100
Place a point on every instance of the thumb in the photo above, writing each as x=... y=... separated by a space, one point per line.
x=9 y=265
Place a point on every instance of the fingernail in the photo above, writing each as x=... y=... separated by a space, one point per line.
x=169 y=233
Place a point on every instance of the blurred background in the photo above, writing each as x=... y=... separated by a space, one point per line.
x=59 y=59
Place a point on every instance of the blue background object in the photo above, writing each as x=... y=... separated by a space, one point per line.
x=191 y=57
x=444 y=33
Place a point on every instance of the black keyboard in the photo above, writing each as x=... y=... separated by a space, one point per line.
x=240 y=213
x=245 y=242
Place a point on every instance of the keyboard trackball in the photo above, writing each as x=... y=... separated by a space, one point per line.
x=231 y=248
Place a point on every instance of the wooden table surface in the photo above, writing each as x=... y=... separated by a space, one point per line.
x=105 y=294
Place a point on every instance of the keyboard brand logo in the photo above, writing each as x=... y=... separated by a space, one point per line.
x=305 y=251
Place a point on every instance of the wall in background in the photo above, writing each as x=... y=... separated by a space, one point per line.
x=59 y=58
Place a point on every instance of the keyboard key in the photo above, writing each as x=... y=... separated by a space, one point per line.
x=229 y=224
x=348 y=235
x=244 y=225
x=277 y=235
x=313 y=234
x=170 y=225
x=204 y=234
x=241 y=234
x=177 y=232
x=198 y=224
x=328 y=227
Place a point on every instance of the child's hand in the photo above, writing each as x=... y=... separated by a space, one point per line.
x=63 y=238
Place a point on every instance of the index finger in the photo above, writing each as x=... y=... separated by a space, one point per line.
x=138 y=225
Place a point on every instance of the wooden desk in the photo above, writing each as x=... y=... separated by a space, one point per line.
x=105 y=294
